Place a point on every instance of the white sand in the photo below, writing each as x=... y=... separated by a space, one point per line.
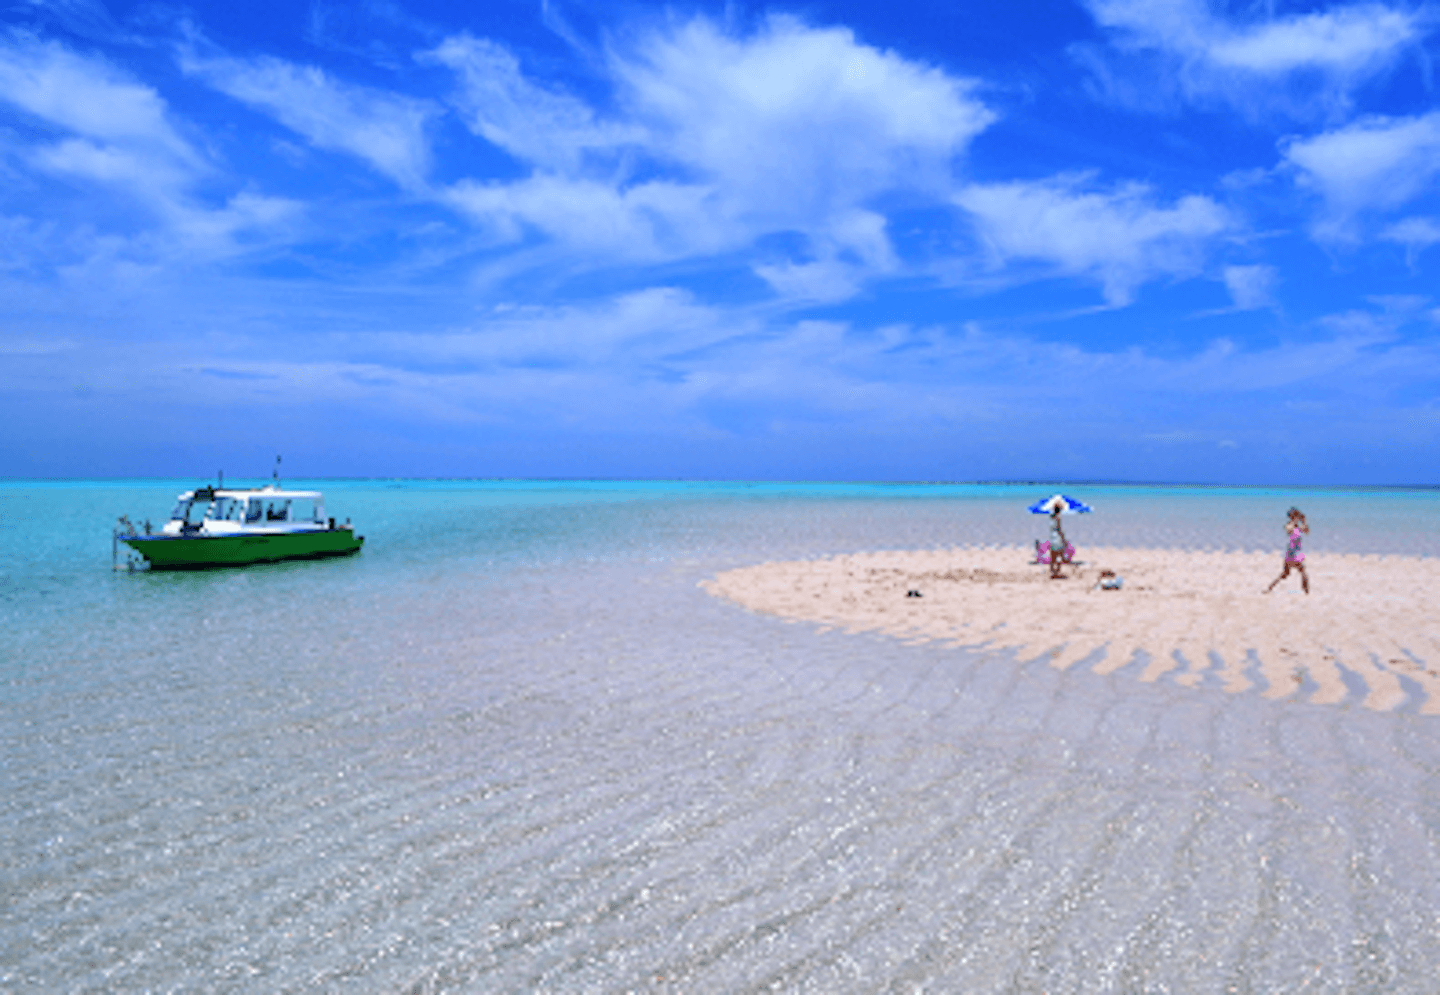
x=1198 y=614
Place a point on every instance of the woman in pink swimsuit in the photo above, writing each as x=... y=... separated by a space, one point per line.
x=1296 y=528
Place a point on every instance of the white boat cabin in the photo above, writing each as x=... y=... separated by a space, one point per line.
x=213 y=511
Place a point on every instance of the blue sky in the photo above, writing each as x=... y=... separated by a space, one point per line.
x=1106 y=239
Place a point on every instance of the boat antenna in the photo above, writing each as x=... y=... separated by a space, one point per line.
x=221 y=485
x=275 y=474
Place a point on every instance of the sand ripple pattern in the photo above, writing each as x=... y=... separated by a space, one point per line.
x=1367 y=634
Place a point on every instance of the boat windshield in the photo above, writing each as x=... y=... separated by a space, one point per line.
x=191 y=511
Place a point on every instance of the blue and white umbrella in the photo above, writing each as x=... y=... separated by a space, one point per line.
x=1066 y=504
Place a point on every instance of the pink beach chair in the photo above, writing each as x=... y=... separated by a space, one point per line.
x=1042 y=552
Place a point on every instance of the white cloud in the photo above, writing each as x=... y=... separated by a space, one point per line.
x=1250 y=286
x=849 y=249
x=797 y=117
x=716 y=140
x=117 y=134
x=545 y=128
x=793 y=130
x=1351 y=41
x=387 y=130
x=1416 y=234
x=86 y=18
x=152 y=175
x=630 y=330
x=1324 y=54
x=822 y=281
x=659 y=365
x=642 y=223
x=1120 y=238
x=661 y=352
x=89 y=97
x=630 y=334
x=117 y=131
x=245 y=213
x=1377 y=163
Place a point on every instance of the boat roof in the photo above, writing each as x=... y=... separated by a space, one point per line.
x=211 y=493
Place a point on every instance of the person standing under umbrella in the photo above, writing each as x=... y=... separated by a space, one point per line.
x=1058 y=543
x=1058 y=550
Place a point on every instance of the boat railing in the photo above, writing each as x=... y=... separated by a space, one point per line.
x=124 y=528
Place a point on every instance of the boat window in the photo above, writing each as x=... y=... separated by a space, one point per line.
x=181 y=509
x=305 y=510
x=226 y=509
x=277 y=511
x=254 y=510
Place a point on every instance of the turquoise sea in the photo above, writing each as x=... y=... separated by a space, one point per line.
x=513 y=747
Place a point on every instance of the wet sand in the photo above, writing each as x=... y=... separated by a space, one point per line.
x=1368 y=631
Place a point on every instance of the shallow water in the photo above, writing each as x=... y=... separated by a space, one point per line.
x=513 y=747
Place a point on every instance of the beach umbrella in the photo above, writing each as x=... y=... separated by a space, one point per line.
x=1067 y=505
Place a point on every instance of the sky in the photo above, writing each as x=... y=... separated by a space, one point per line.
x=1121 y=240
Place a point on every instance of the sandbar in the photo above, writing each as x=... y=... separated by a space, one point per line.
x=1367 y=634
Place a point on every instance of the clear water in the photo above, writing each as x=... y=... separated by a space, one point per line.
x=511 y=746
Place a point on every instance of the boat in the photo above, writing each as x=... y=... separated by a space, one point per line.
x=230 y=527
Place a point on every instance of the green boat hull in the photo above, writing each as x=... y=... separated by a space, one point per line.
x=204 y=552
